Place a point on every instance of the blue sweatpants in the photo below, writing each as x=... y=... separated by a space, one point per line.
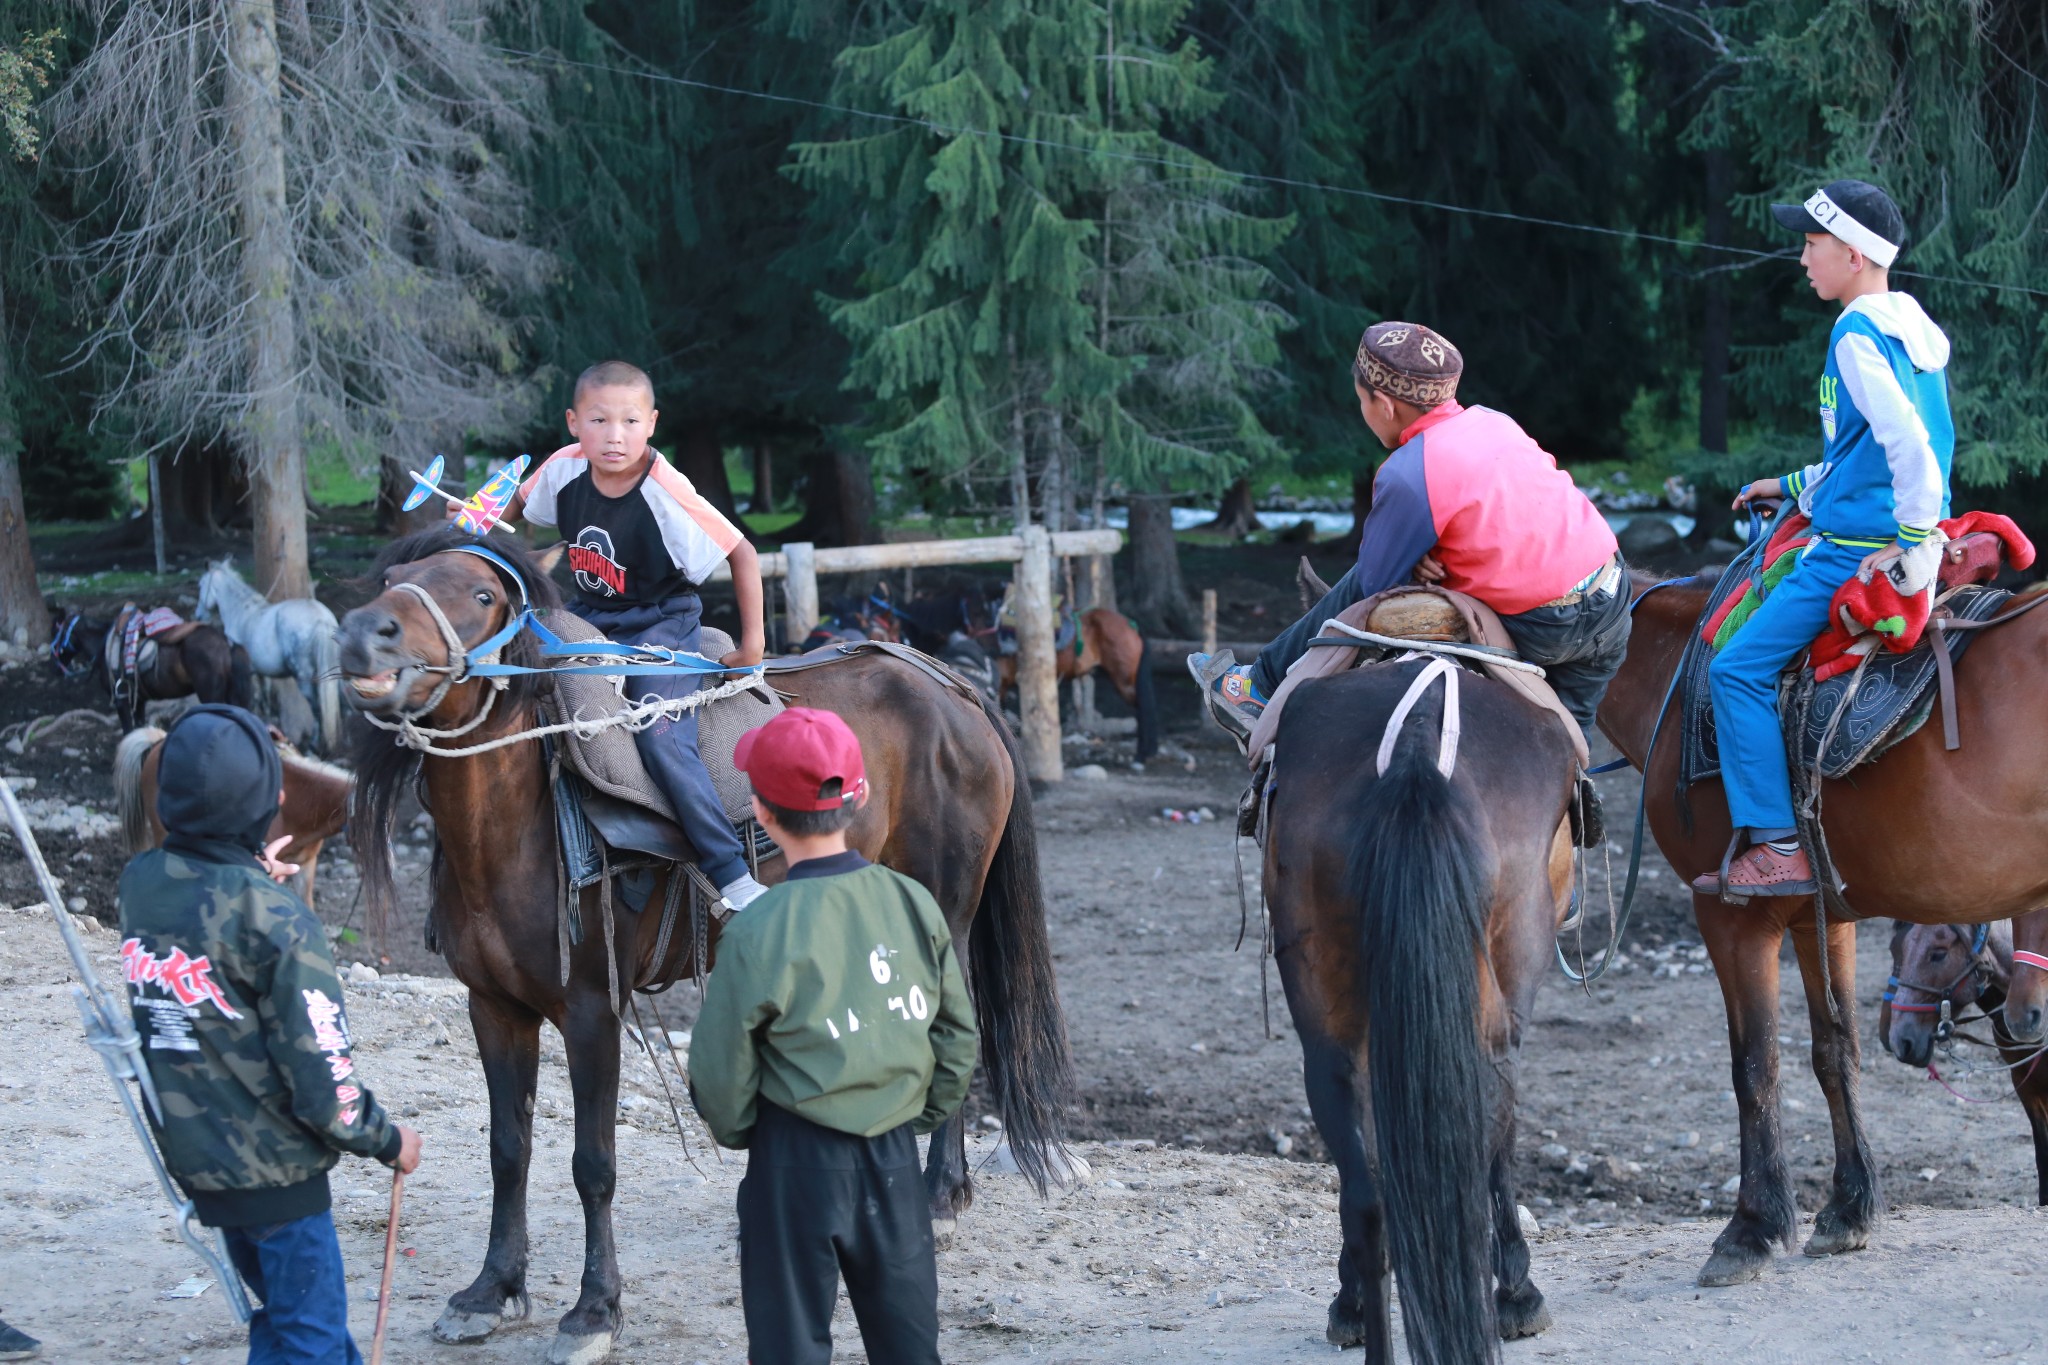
x=669 y=747
x=294 y=1269
x=1744 y=684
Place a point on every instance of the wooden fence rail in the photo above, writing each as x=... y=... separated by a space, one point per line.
x=1033 y=550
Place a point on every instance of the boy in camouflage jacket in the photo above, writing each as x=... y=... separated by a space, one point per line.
x=240 y=1011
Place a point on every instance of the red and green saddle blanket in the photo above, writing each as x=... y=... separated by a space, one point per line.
x=1780 y=556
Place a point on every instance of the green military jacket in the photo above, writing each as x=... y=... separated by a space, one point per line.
x=240 y=1010
x=836 y=995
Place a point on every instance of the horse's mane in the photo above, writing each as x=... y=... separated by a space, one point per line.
x=383 y=767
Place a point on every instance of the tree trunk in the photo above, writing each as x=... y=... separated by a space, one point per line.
x=701 y=459
x=394 y=486
x=1157 y=597
x=1235 y=515
x=272 y=444
x=203 y=491
x=763 y=502
x=23 y=618
x=1361 y=503
x=839 y=501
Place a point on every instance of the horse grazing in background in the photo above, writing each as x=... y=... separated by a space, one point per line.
x=1414 y=914
x=1110 y=642
x=949 y=806
x=291 y=639
x=188 y=660
x=316 y=797
x=1941 y=970
x=1925 y=834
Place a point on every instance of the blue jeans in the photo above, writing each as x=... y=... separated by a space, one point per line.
x=295 y=1270
x=669 y=747
x=1743 y=681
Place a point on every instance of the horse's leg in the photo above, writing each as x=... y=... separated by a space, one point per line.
x=309 y=862
x=2030 y=1083
x=1845 y=1222
x=508 y=1045
x=1359 y=1315
x=591 y=1034
x=946 y=1179
x=1519 y=1310
x=1743 y=942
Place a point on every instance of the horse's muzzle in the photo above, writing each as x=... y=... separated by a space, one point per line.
x=377 y=668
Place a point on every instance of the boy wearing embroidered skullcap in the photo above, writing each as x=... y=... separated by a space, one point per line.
x=1875 y=497
x=1468 y=500
x=836 y=1027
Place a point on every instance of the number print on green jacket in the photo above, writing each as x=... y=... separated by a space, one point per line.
x=838 y=998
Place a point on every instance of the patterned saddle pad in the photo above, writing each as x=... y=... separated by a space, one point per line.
x=1893 y=693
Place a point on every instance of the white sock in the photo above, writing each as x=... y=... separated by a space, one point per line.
x=741 y=893
x=1787 y=847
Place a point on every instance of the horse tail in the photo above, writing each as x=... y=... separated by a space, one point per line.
x=1418 y=874
x=129 y=756
x=1024 y=1053
x=241 y=678
x=327 y=681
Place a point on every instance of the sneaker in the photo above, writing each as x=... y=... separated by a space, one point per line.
x=1761 y=871
x=16 y=1344
x=1228 y=691
x=741 y=893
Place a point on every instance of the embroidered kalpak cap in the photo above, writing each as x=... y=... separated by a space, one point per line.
x=804 y=759
x=1853 y=211
x=1408 y=361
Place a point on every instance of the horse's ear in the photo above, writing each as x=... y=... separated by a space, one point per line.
x=547 y=559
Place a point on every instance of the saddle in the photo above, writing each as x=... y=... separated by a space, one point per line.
x=1848 y=719
x=1427 y=615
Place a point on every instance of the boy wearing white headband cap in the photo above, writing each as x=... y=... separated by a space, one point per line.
x=1875 y=498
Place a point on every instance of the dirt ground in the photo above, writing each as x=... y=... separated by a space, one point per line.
x=1208 y=1230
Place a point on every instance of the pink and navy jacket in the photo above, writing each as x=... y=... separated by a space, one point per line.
x=1472 y=488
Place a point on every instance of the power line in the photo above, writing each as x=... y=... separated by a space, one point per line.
x=1320 y=187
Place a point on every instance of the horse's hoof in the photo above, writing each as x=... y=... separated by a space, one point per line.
x=1733 y=1266
x=1347 y=1326
x=1834 y=1241
x=1524 y=1315
x=584 y=1350
x=942 y=1233
x=455 y=1326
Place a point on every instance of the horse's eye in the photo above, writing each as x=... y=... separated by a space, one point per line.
x=1939 y=955
x=483 y=595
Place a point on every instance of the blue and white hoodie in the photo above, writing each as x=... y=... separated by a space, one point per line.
x=1888 y=437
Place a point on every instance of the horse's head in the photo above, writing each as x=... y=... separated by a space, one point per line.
x=2026 y=997
x=76 y=644
x=405 y=652
x=1935 y=965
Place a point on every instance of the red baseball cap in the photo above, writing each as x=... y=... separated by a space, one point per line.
x=804 y=759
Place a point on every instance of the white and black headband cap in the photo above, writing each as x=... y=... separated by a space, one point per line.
x=1854 y=212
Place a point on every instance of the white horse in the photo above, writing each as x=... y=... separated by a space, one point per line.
x=292 y=639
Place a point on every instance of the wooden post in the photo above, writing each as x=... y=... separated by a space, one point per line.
x=800 y=589
x=1038 y=695
x=1208 y=620
x=156 y=512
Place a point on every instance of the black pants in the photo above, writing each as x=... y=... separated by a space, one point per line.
x=1580 y=646
x=817 y=1204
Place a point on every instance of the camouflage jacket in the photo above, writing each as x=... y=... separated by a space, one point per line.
x=235 y=995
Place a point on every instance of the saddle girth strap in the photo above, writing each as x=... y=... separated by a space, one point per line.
x=1945 y=669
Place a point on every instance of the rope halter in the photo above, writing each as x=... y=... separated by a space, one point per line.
x=462 y=661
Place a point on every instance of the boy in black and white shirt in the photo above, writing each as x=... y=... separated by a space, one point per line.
x=641 y=539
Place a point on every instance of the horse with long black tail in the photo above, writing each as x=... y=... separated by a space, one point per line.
x=1925 y=834
x=1415 y=899
x=949 y=805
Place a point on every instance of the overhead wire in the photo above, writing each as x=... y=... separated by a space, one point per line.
x=1756 y=255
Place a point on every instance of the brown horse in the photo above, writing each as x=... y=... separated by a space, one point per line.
x=1919 y=835
x=1108 y=641
x=316 y=797
x=1413 y=918
x=1941 y=970
x=190 y=660
x=950 y=806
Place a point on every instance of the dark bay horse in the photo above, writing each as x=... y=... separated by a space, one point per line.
x=316 y=800
x=2004 y=974
x=1413 y=918
x=950 y=806
x=1924 y=835
x=192 y=660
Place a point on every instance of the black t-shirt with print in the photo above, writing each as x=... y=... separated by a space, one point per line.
x=615 y=547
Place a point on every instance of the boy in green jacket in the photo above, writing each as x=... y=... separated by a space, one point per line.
x=835 y=1028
